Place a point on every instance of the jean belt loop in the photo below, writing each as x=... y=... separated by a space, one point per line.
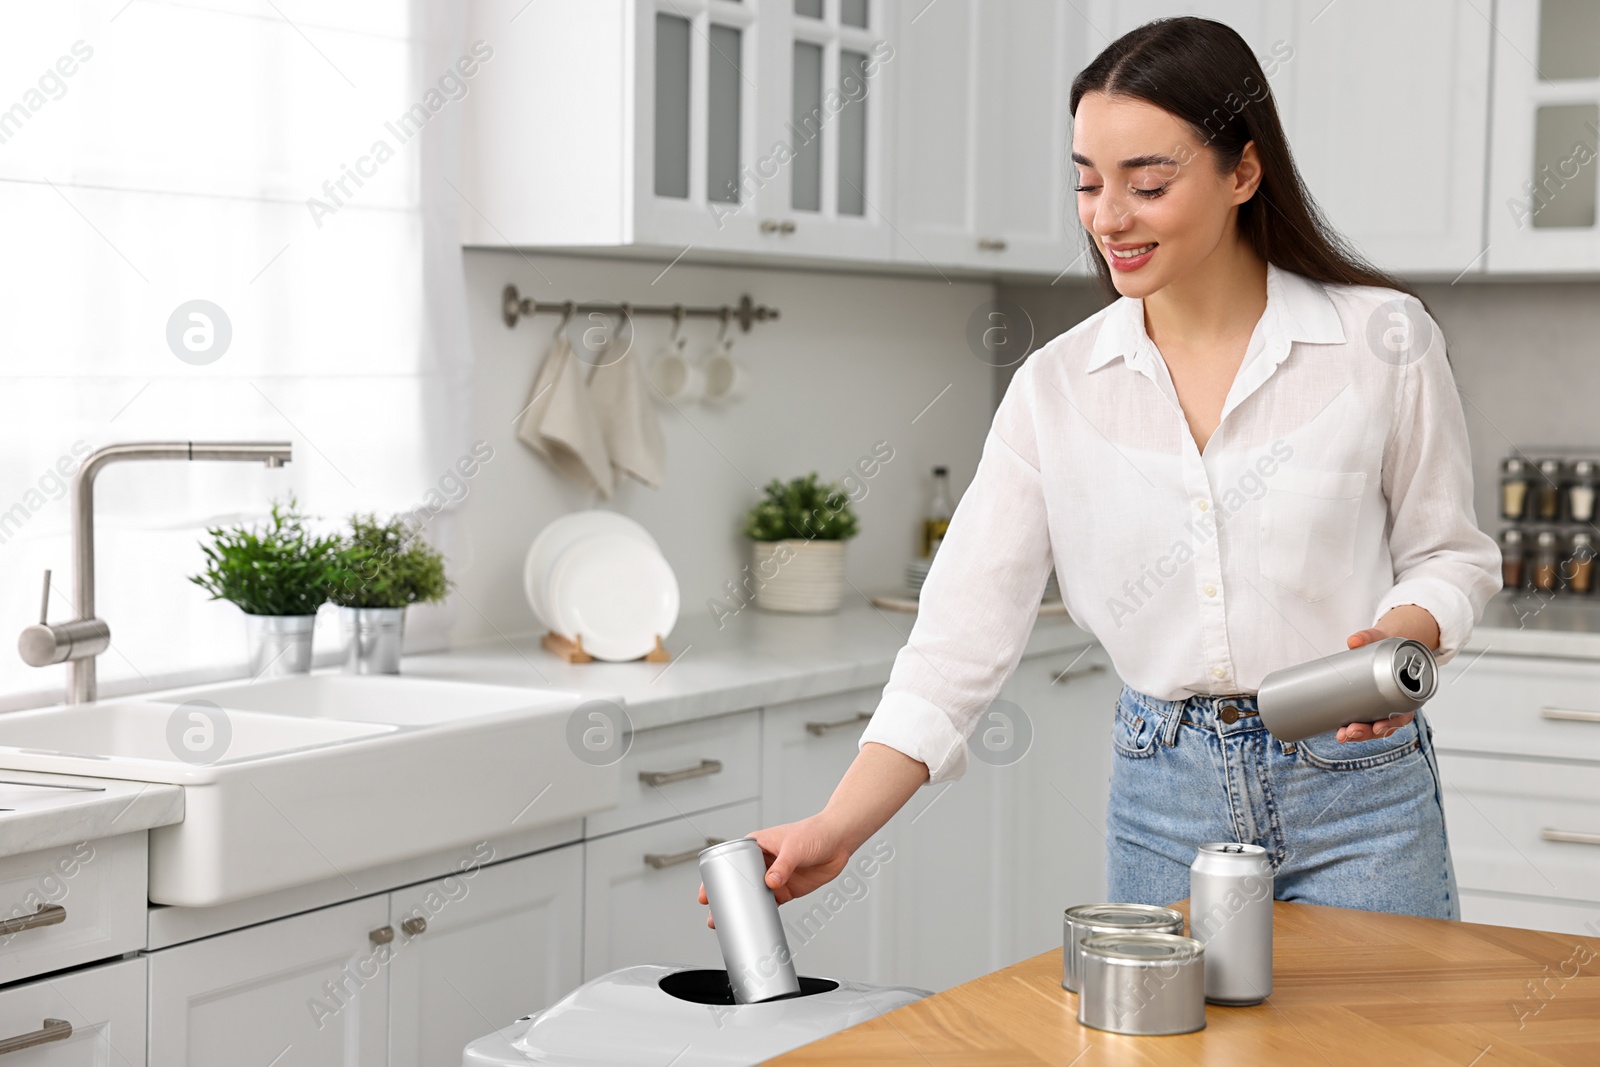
x=1171 y=720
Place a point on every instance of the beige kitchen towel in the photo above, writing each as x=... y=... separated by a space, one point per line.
x=561 y=424
x=628 y=418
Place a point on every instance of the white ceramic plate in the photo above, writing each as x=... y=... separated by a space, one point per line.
x=614 y=591
x=556 y=537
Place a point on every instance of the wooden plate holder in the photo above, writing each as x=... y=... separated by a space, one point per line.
x=571 y=649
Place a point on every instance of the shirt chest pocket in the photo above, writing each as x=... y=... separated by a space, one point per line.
x=1308 y=529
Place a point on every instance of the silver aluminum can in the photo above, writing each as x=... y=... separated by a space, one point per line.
x=1143 y=983
x=1230 y=912
x=1363 y=684
x=1084 y=919
x=749 y=931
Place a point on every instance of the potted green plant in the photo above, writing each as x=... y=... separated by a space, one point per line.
x=797 y=534
x=278 y=574
x=388 y=566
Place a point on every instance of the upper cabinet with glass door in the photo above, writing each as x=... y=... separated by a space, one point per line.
x=1545 y=138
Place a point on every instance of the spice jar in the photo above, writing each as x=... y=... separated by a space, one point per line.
x=1513 y=488
x=1546 y=549
x=1547 y=491
x=1581 y=491
x=1511 y=553
x=1581 y=564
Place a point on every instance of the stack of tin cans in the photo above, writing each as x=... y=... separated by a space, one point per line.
x=1135 y=972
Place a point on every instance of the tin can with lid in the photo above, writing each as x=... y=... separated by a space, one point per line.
x=1365 y=684
x=1082 y=920
x=1230 y=912
x=749 y=930
x=1143 y=983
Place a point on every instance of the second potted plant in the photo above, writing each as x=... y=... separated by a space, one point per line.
x=387 y=567
x=797 y=545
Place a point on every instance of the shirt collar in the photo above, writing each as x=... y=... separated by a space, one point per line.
x=1298 y=309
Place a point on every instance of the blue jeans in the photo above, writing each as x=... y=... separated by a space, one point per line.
x=1356 y=825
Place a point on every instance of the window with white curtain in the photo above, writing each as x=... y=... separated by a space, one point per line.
x=290 y=163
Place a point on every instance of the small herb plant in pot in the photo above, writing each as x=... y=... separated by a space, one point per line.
x=387 y=566
x=278 y=574
x=797 y=535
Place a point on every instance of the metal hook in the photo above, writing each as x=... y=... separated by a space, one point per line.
x=727 y=317
x=678 y=315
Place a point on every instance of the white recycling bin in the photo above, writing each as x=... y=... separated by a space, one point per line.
x=654 y=1015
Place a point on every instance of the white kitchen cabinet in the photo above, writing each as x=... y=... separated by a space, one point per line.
x=1056 y=802
x=89 y=1018
x=640 y=886
x=475 y=951
x=844 y=929
x=74 y=904
x=1545 y=138
x=311 y=990
x=984 y=135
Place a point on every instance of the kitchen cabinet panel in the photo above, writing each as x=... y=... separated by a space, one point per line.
x=1518 y=706
x=308 y=991
x=639 y=892
x=708 y=763
x=844 y=929
x=1545 y=140
x=88 y=1018
x=477 y=950
x=1530 y=913
x=1056 y=802
x=88 y=900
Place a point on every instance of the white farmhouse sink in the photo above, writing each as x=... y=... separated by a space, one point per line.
x=298 y=780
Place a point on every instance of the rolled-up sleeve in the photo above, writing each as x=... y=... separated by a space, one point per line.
x=979 y=600
x=1442 y=561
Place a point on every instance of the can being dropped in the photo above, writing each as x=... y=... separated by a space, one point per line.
x=1230 y=912
x=1366 y=684
x=749 y=930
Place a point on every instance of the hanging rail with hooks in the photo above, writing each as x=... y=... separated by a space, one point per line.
x=514 y=306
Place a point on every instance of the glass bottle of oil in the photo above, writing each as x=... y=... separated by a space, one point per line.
x=937 y=519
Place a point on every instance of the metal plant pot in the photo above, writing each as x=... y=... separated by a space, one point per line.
x=372 y=639
x=279 y=644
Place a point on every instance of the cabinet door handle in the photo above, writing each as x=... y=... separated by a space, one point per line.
x=1078 y=672
x=822 y=729
x=777 y=226
x=1575 y=837
x=1570 y=715
x=786 y=226
x=992 y=244
x=52 y=1030
x=381 y=936
x=47 y=915
x=415 y=925
x=659 y=860
x=707 y=768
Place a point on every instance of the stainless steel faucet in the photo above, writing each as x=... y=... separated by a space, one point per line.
x=78 y=642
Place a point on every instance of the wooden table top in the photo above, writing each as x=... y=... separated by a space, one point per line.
x=1349 y=987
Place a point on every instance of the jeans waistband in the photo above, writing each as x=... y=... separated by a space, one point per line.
x=1224 y=713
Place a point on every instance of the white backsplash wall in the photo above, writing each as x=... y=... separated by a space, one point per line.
x=1526 y=358
x=854 y=360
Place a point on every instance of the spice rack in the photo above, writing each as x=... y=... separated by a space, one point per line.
x=1548 y=498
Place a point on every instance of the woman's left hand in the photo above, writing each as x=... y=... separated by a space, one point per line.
x=1407 y=620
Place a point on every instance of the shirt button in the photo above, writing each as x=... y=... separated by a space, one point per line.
x=1211 y=590
x=1218 y=672
x=1202 y=504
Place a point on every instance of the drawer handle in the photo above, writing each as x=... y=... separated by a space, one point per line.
x=1078 y=672
x=822 y=729
x=415 y=925
x=381 y=936
x=47 y=915
x=992 y=244
x=659 y=860
x=1575 y=837
x=52 y=1030
x=707 y=768
x=1569 y=715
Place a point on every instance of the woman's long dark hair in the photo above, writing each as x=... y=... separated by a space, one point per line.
x=1204 y=73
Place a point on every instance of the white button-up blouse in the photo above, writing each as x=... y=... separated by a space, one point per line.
x=1338 y=485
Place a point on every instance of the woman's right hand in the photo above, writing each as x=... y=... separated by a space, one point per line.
x=801 y=856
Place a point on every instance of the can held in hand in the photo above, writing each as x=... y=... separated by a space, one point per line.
x=1084 y=919
x=1143 y=983
x=1230 y=912
x=749 y=930
x=1365 y=684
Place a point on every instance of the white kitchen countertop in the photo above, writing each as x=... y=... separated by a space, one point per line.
x=1526 y=624
x=756 y=659
x=39 y=811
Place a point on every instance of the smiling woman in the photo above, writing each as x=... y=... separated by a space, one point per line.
x=1252 y=458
